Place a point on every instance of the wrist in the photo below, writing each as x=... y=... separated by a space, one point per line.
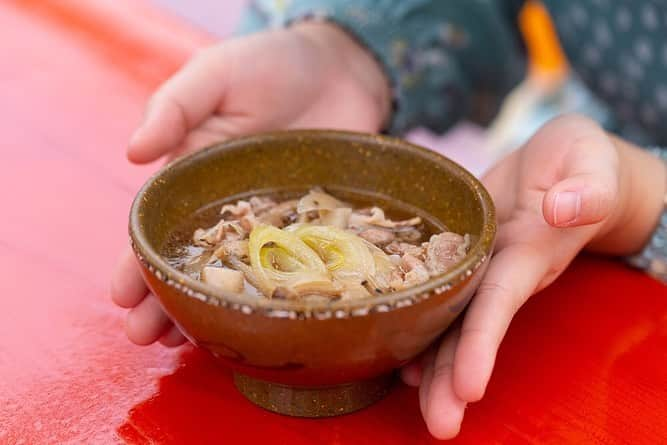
x=642 y=188
x=348 y=61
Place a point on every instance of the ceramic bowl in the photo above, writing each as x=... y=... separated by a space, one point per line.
x=316 y=359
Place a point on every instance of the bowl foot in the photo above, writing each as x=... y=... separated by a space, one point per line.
x=323 y=401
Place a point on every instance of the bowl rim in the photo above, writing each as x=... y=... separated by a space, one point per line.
x=158 y=267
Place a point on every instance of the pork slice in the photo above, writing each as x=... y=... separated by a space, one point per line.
x=261 y=204
x=415 y=270
x=235 y=211
x=444 y=250
x=232 y=248
x=401 y=248
x=379 y=237
x=279 y=215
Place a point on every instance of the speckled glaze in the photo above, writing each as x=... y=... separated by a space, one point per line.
x=309 y=349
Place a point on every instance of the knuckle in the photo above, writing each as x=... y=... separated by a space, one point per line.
x=475 y=334
x=509 y=296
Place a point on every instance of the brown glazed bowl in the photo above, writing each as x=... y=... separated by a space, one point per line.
x=316 y=359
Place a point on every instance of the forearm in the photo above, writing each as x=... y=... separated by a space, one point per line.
x=642 y=188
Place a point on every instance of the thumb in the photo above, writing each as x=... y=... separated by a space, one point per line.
x=588 y=192
x=180 y=105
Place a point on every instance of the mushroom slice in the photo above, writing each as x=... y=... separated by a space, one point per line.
x=318 y=200
x=227 y=280
x=336 y=217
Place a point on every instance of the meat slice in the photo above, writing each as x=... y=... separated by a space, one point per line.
x=379 y=237
x=261 y=204
x=378 y=218
x=235 y=211
x=279 y=215
x=445 y=250
x=415 y=271
x=207 y=237
x=400 y=248
x=232 y=248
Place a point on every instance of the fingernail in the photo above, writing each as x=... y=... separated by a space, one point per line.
x=567 y=206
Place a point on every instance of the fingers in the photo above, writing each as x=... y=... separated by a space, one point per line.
x=147 y=322
x=202 y=137
x=173 y=337
x=499 y=181
x=411 y=374
x=182 y=103
x=427 y=363
x=588 y=190
x=574 y=162
x=441 y=408
x=512 y=277
x=127 y=286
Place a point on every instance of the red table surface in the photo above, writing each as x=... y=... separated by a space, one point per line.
x=584 y=361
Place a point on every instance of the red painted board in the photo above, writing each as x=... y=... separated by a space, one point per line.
x=584 y=361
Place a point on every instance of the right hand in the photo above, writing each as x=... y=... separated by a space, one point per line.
x=311 y=75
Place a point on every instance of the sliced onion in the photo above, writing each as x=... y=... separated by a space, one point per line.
x=351 y=260
x=280 y=259
x=344 y=254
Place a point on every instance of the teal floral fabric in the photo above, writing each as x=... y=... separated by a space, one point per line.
x=619 y=49
x=444 y=56
x=440 y=56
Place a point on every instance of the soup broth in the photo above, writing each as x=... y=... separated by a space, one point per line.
x=300 y=244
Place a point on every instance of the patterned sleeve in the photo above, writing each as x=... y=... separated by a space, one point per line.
x=653 y=258
x=442 y=58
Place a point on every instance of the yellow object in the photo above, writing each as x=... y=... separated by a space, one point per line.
x=545 y=53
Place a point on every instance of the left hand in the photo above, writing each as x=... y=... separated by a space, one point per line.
x=566 y=188
x=332 y=82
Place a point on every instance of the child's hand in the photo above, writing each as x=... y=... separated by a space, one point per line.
x=568 y=187
x=311 y=75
